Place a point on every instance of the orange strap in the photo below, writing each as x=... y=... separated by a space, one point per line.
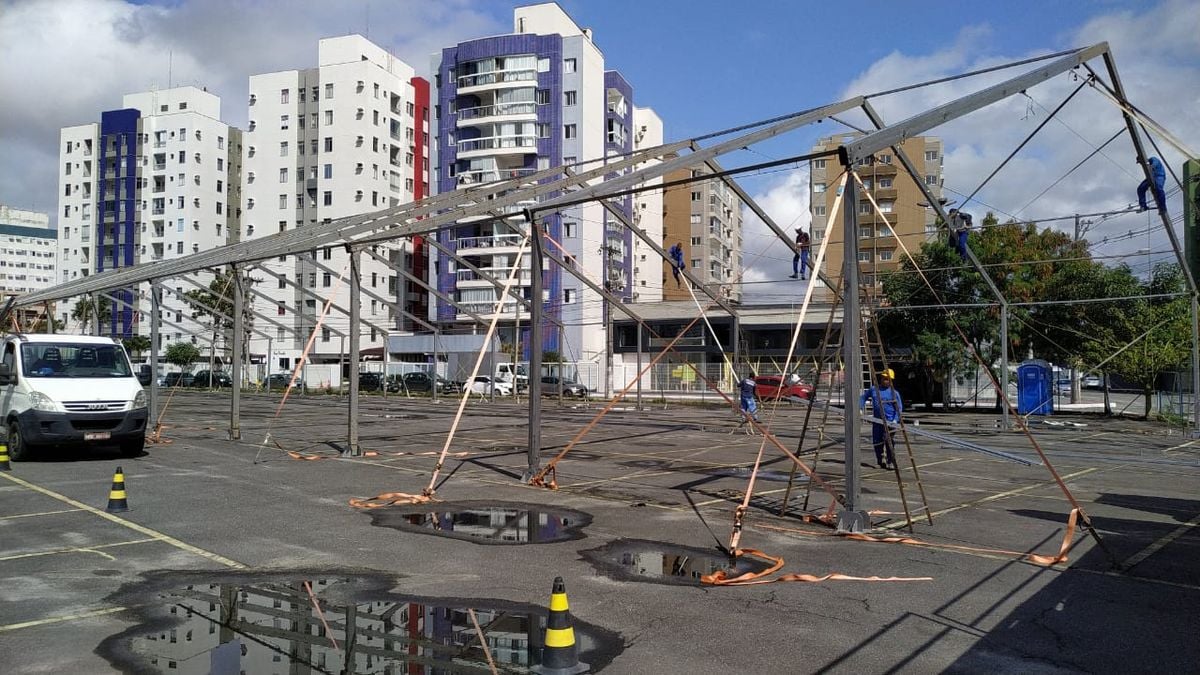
x=719 y=578
x=309 y=456
x=1045 y=560
x=390 y=499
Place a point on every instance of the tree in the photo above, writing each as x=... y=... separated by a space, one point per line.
x=182 y=354
x=1156 y=330
x=214 y=305
x=136 y=344
x=84 y=313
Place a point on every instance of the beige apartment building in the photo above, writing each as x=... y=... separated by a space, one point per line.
x=897 y=195
x=705 y=217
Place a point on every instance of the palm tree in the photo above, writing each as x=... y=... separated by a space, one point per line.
x=84 y=313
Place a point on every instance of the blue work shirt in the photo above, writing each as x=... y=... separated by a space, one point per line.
x=888 y=398
x=746 y=387
x=1157 y=170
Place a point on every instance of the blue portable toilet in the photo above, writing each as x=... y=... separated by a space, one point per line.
x=1035 y=393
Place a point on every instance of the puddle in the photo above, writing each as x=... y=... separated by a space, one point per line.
x=654 y=561
x=254 y=623
x=744 y=472
x=486 y=522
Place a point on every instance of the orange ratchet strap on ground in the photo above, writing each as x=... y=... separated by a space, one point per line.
x=719 y=578
x=390 y=499
x=308 y=456
x=1037 y=559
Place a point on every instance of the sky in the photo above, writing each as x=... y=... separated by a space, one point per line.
x=702 y=66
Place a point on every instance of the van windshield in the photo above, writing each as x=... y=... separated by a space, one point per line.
x=66 y=359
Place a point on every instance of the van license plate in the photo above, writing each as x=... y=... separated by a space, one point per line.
x=97 y=435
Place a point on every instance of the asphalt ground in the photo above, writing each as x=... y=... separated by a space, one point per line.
x=670 y=474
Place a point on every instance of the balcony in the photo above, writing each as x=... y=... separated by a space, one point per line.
x=467 y=278
x=466 y=178
x=487 y=309
x=497 y=145
x=480 y=114
x=496 y=77
x=490 y=242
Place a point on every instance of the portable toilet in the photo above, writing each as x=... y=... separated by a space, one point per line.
x=1035 y=393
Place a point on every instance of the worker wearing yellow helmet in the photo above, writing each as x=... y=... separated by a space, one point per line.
x=887 y=406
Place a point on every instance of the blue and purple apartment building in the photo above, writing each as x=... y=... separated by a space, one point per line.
x=508 y=106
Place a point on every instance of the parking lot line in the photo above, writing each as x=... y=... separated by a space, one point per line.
x=41 y=513
x=79 y=549
x=60 y=619
x=1160 y=543
x=154 y=534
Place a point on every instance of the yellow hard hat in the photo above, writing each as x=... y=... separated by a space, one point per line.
x=887 y=372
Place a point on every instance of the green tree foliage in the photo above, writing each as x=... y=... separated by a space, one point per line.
x=182 y=354
x=136 y=345
x=84 y=313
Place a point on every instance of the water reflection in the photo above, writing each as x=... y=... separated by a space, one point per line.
x=276 y=628
x=666 y=563
x=487 y=524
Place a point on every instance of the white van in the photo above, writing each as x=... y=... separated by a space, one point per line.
x=69 y=390
x=515 y=375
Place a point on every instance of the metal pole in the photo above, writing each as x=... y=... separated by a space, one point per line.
x=267 y=363
x=535 y=351
x=235 y=406
x=341 y=361
x=1004 y=364
x=95 y=315
x=385 y=366
x=852 y=517
x=437 y=339
x=155 y=304
x=608 y=345
x=1195 y=366
x=355 y=334
x=638 y=328
x=49 y=318
x=492 y=389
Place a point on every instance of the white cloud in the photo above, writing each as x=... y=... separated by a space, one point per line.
x=63 y=62
x=766 y=260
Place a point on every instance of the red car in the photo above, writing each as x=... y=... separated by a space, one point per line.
x=768 y=387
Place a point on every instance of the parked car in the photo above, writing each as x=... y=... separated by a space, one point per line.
x=178 y=380
x=279 y=382
x=375 y=382
x=1063 y=386
x=484 y=384
x=1092 y=382
x=216 y=378
x=423 y=382
x=768 y=387
x=550 y=387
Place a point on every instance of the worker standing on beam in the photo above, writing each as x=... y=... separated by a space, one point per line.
x=960 y=227
x=800 y=260
x=886 y=406
x=676 y=254
x=1159 y=176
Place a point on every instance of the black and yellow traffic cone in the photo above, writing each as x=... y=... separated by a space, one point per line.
x=117 y=501
x=560 y=652
x=4 y=465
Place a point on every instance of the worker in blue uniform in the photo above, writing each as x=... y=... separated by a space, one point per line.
x=1158 y=174
x=885 y=405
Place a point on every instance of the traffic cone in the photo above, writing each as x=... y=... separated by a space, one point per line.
x=116 y=497
x=560 y=653
x=4 y=465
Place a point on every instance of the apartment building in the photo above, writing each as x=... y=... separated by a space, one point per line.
x=705 y=218
x=347 y=137
x=511 y=105
x=28 y=255
x=898 y=197
x=155 y=179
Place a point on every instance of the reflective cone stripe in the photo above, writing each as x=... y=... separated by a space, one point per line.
x=560 y=654
x=4 y=465
x=117 y=500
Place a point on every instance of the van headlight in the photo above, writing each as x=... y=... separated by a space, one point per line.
x=139 y=401
x=40 y=401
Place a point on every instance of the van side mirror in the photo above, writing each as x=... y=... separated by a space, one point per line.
x=7 y=376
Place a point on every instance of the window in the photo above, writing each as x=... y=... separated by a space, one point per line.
x=325 y=331
x=329 y=171
x=312 y=150
x=328 y=144
x=864 y=256
x=326 y=280
x=283 y=95
x=220 y=186
x=931 y=155
x=179 y=247
x=568 y=65
x=864 y=208
x=283 y=201
x=818 y=187
x=220 y=206
x=542 y=97
x=281 y=309
x=885 y=205
x=328 y=91
x=283 y=149
x=569 y=229
x=818 y=164
x=283 y=121
x=328 y=198
x=931 y=179
x=885 y=159
x=695 y=263
x=885 y=183
x=329 y=117
x=568 y=296
x=696 y=241
x=570 y=131
x=327 y=253
x=570 y=97
x=818 y=210
x=282 y=227
x=885 y=255
x=865 y=232
x=283 y=175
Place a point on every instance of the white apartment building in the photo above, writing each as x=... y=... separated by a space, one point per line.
x=509 y=106
x=157 y=178
x=28 y=251
x=347 y=137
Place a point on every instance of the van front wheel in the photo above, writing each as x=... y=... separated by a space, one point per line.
x=18 y=449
